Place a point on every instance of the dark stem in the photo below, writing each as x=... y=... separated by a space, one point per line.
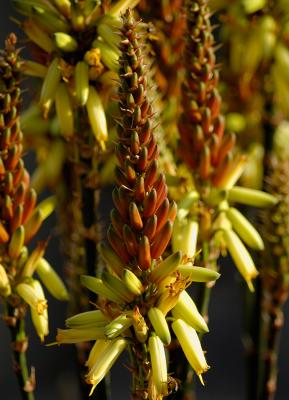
x=268 y=384
x=90 y=198
x=257 y=316
x=19 y=344
x=253 y=325
x=138 y=358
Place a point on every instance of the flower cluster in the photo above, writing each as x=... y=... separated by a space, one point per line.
x=210 y=152
x=20 y=217
x=140 y=286
x=76 y=47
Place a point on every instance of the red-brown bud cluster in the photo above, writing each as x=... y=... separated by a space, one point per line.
x=204 y=147
x=17 y=200
x=141 y=223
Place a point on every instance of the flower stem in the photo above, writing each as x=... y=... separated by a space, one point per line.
x=19 y=343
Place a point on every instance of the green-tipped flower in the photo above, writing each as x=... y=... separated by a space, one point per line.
x=40 y=321
x=105 y=361
x=99 y=347
x=31 y=295
x=81 y=82
x=121 y=6
x=38 y=36
x=47 y=206
x=75 y=335
x=191 y=346
x=97 y=286
x=241 y=257
x=117 y=286
x=96 y=116
x=64 y=111
x=198 y=274
x=89 y=318
x=50 y=85
x=186 y=203
x=132 y=282
x=51 y=280
x=187 y=310
x=65 y=42
x=5 y=288
x=245 y=229
x=251 y=197
x=159 y=323
x=166 y=267
x=109 y=55
x=118 y=326
x=16 y=242
x=184 y=237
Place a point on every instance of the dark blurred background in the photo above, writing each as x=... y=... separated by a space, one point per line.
x=55 y=371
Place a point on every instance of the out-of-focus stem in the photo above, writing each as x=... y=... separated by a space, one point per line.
x=19 y=344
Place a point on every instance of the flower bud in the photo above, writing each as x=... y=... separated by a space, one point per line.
x=51 y=280
x=159 y=323
x=89 y=318
x=251 y=197
x=5 y=288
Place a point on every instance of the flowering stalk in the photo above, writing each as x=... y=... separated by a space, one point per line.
x=210 y=153
x=140 y=286
x=273 y=277
x=20 y=221
x=75 y=53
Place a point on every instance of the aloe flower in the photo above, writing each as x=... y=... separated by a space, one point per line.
x=21 y=219
x=142 y=283
x=206 y=213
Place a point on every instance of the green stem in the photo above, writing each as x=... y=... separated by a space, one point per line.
x=138 y=357
x=19 y=346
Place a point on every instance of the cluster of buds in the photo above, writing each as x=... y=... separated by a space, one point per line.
x=21 y=218
x=275 y=225
x=76 y=49
x=209 y=151
x=204 y=147
x=141 y=293
x=167 y=43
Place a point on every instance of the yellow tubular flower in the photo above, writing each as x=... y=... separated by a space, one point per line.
x=86 y=319
x=198 y=274
x=51 y=280
x=5 y=289
x=96 y=116
x=105 y=361
x=65 y=336
x=185 y=236
x=191 y=346
x=160 y=325
x=245 y=229
x=99 y=346
x=159 y=365
x=40 y=323
x=241 y=257
x=31 y=296
x=187 y=310
x=119 y=325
